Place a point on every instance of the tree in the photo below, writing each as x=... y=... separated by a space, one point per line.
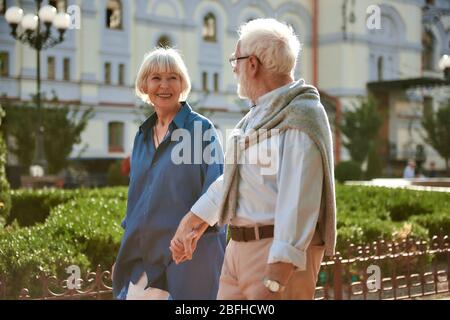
x=360 y=128
x=20 y=126
x=437 y=129
x=63 y=126
x=5 y=197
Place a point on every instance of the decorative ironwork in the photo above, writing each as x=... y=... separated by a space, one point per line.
x=409 y=269
x=96 y=285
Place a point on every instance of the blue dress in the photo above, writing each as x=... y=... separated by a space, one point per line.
x=161 y=192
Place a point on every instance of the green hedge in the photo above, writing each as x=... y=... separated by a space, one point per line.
x=85 y=232
x=365 y=214
x=33 y=206
x=83 y=226
x=348 y=170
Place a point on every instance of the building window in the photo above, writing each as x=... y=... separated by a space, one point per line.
x=66 y=68
x=121 y=74
x=51 y=68
x=164 y=42
x=60 y=5
x=115 y=137
x=216 y=82
x=2 y=7
x=4 y=64
x=380 y=67
x=107 y=74
x=205 y=81
x=428 y=51
x=209 y=28
x=114 y=14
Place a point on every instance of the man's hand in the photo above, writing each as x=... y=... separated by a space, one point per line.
x=279 y=271
x=262 y=293
x=184 y=242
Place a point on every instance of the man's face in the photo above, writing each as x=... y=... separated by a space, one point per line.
x=241 y=75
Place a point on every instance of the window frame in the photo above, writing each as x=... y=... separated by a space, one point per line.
x=108 y=14
x=119 y=145
x=51 y=75
x=4 y=66
x=205 y=32
x=107 y=73
x=66 y=71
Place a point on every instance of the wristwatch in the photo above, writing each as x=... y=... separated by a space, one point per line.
x=272 y=285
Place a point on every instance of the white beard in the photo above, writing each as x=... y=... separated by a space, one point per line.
x=242 y=91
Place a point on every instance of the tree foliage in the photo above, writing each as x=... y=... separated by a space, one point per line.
x=360 y=127
x=437 y=128
x=5 y=197
x=63 y=126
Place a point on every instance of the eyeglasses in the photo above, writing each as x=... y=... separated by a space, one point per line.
x=233 y=61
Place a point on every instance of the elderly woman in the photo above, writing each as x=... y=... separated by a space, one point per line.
x=176 y=156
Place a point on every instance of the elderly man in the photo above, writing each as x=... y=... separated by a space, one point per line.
x=281 y=221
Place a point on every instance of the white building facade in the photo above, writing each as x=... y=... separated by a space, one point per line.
x=97 y=64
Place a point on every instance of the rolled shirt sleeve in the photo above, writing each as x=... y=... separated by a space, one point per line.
x=299 y=181
x=207 y=206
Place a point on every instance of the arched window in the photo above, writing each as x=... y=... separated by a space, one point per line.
x=115 y=137
x=2 y=7
x=380 y=68
x=164 y=42
x=114 y=14
x=60 y=5
x=428 y=44
x=209 y=28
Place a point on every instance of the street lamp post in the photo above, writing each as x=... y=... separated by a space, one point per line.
x=38 y=40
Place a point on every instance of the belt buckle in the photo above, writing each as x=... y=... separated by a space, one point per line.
x=257 y=232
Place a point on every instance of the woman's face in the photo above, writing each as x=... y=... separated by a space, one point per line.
x=164 y=89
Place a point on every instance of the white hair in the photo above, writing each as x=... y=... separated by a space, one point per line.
x=162 y=60
x=273 y=42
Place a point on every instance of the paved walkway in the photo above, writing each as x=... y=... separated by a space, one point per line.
x=412 y=184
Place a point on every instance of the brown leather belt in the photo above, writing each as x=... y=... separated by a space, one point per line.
x=244 y=234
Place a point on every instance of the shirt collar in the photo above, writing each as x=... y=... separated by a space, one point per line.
x=179 y=120
x=181 y=116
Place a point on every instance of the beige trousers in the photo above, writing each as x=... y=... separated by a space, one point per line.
x=244 y=267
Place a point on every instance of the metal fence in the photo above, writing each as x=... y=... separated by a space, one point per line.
x=387 y=271
x=97 y=285
x=379 y=271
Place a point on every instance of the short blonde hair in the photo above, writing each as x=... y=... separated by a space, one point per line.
x=162 y=60
x=273 y=42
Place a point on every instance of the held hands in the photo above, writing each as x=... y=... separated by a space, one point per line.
x=184 y=242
